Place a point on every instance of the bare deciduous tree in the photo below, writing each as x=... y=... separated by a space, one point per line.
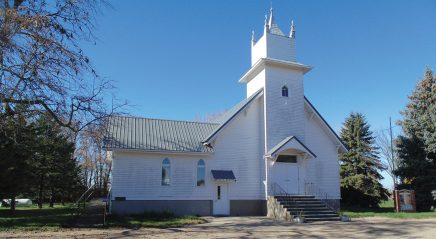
x=388 y=153
x=96 y=165
x=209 y=117
x=42 y=64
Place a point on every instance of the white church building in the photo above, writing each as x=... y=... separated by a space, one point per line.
x=272 y=145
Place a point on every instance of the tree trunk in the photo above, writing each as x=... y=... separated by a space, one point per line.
x=91 y=173
x=106 y=180
x=394 y=196
x=52 y=197
x=41 y=187
x=12 y=204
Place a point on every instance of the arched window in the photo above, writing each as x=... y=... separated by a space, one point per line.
x=166 y=172
x=285 y=91
x=201 y=172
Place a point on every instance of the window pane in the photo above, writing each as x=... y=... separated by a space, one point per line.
x=166 y=172
x=287 y=159
x=201 y=173
x=285 y=91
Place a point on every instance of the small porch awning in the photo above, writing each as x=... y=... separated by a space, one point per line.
x=223 y=175
x=290 y=143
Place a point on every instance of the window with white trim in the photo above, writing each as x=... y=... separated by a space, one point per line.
x=166 y=172
x=201 y=172
x=285 y=91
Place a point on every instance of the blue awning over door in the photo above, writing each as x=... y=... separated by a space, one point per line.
x=223 y=175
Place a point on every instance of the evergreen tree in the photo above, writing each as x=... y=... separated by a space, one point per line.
x=417 y=148
x=36 y=159
x=360 y=166
x=55 y=168
x=420 y=114
x=16 y=140
x=64 y=173
x=416 y=171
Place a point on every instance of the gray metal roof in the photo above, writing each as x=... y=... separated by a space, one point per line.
x=157 y=134
x=167 y=135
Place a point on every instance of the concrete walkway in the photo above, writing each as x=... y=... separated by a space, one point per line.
x=261 y=227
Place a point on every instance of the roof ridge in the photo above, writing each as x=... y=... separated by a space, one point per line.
x=233 y=112
x=174 y=120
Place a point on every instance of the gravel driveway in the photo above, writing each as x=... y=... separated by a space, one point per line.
x=261 y=227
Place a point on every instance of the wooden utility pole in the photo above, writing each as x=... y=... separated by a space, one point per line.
x=392 y=148
x=392 y=155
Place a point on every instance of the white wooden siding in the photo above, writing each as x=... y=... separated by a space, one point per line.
x=284 y=115
x=256 y=83
x=137 y=176
x=238 y=147
x=323 y=170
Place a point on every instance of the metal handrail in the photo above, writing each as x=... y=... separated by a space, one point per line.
x=84 y=197
x=277 y=190
x=92 y=192
x=80 y=198
x=311 y=188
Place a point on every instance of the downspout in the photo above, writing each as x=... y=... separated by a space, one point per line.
x=265 y=139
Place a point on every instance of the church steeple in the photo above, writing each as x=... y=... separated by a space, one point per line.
x=274 y=69
x=273 y=27
x=273 y=44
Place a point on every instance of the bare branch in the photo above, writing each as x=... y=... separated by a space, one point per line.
x=43 y=66
x=389 y=160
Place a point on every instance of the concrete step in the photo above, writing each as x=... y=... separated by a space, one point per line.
x=323 y=219
x=296 y=197
x=303 y=203
x=318 y=205
x=318 y=212
x=320 y=215
x=315 y=209
x=308 y=206
x=308 y=209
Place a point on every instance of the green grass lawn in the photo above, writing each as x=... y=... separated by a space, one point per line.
x=52 y=219
x=33 y=218
x=386 y=209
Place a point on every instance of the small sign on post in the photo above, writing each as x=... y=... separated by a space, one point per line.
x=405 y=201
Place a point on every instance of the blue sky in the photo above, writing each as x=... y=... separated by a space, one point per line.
x=182 y=59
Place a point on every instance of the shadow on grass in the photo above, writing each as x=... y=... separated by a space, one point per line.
x=33 y=218
x=29 y=219
x=153 y=220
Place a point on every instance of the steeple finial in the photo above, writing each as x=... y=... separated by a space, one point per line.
x=271 y=16
x=292 y=33
x=252 y=38
x=266 y=27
